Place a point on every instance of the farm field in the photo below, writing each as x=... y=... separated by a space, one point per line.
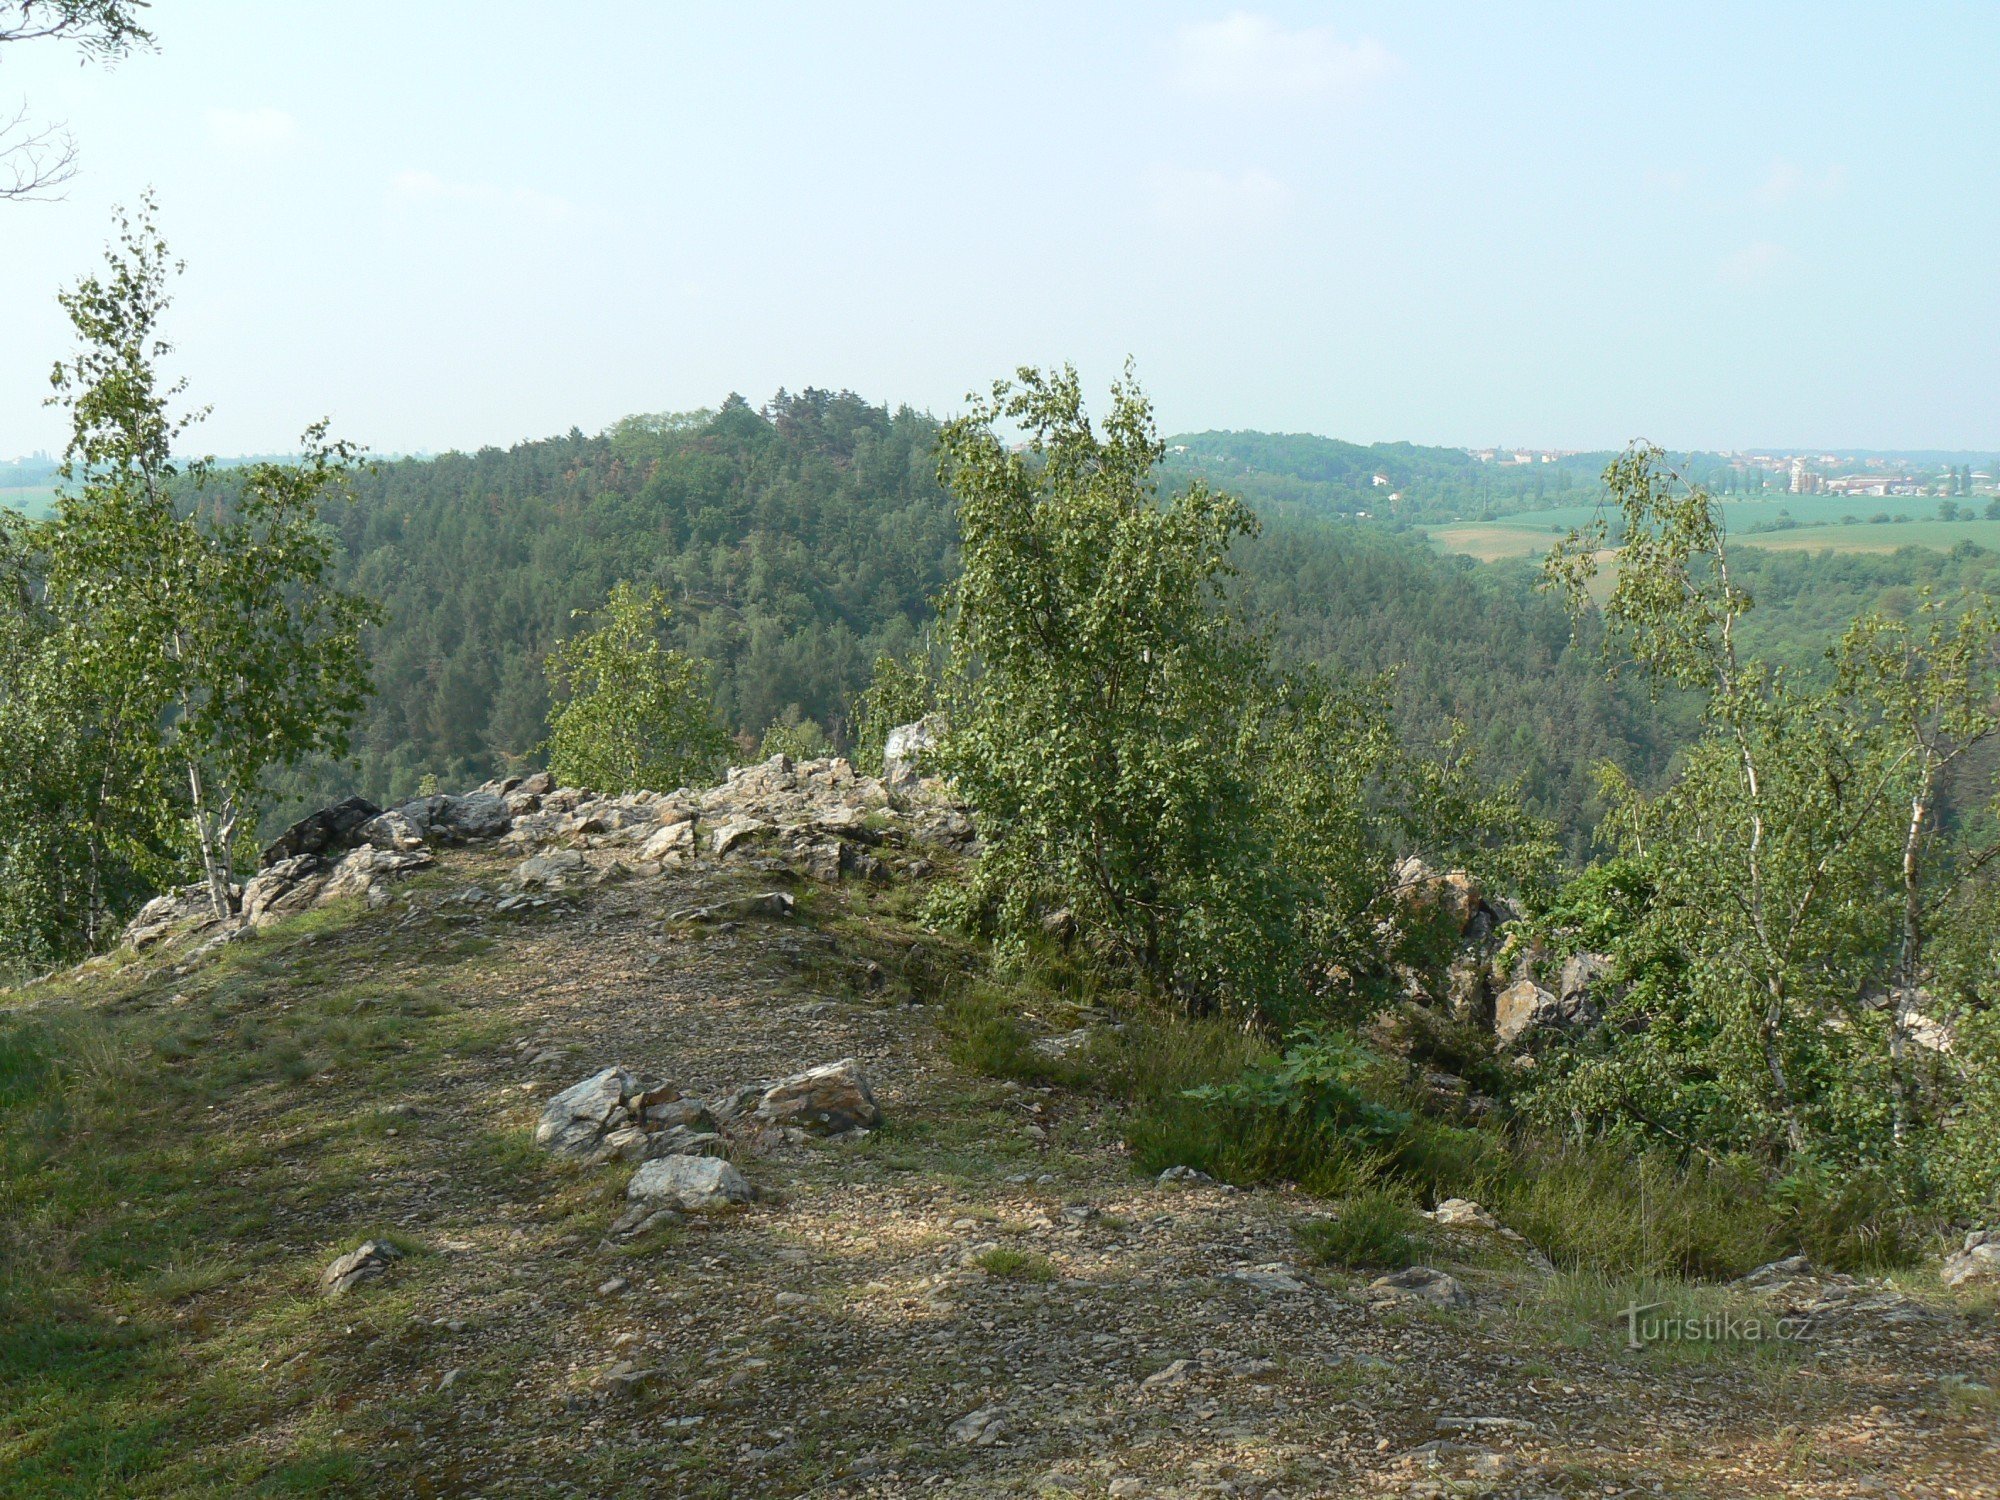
x=1490 y=541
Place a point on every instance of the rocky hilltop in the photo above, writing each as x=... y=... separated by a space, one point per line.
x=533 y=1142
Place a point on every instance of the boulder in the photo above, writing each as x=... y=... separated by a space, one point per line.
x=327 y=831
x=1419 y=1284
x=183 y=906
x=439 y=819
x=357 y=1266
x=826 y=1100
x=1584 y=983
x=671 y=843
x=1978 y=1260
x=691 y=1184
x=732 y=834
x=616 y=1115
x=1524 y=1007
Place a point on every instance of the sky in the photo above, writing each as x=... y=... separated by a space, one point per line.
x=446 y=225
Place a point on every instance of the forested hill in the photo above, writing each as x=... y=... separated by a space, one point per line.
x=801 y=540
x=797 y=544
x=1304 y=474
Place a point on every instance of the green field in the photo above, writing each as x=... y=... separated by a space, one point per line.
x=30 y=500
x=1529 y=535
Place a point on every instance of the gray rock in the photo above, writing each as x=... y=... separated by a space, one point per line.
x=287 y=886
x=1183 y=1177
x=1777 y=1272
x=329 y=830
x=826 y=1100
x=691 y=1184
x=1274 y=1279
x=357 y=1266
x=439 y=819
x=670 y=844
x=1420 y=1284
x=903 y=752
x=734 y=833
x=765 y=904
x=616 y=1115
x=557 y=868
x=980 y=1429
x=1978 y=1260
x=362 y=872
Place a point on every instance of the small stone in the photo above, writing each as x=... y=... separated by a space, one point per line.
x=1420 y=1284
x=613 y=1287
x=1183 y=1177
x=980 y=1429
x=1462 y=1213
x=357 y=1266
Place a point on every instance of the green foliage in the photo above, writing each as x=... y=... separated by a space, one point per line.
x=637 y=713
x=800 y=738
x=1097 y=692
x=1223 y=831
x=1776 y=903
x=1376 y=1229
x=1314 y=1084
x=901 y=692
x=175 y=641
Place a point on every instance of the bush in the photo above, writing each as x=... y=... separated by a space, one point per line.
x=1374 y=1230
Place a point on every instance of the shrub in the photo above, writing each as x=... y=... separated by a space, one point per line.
x=1376 y=1229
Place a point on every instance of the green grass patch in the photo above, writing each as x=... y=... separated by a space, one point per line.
x=1015 y=1265
x=1375 y=1230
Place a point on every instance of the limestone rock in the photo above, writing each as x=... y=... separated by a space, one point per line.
x=357 y=1266
x=826 y=1100
x=691 y=1184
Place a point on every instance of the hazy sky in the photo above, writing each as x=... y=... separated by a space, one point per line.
x=450 y=224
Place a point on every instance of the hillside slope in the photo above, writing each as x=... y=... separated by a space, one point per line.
x=979 y=1297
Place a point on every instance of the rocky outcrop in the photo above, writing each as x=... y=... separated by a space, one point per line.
x=185 y=908
x=327 y=831
x=439 y=819
x=615 y=1115
x=818 y=817
x=1524 y=1008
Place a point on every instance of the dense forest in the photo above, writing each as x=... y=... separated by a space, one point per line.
x=799 y=541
